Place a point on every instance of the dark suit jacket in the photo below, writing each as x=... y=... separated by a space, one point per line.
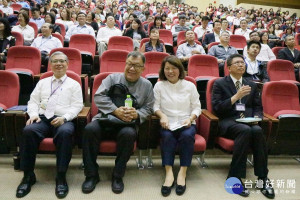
x=129 y=33
x=223 y=90
x=286 y=54
x=209 y=38
x=262 y=73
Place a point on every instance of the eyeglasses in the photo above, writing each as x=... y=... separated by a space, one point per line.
x=135 y=66
x=58 y=61
x=238 y=63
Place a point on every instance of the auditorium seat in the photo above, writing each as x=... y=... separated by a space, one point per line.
x=280 y=101
x=121 y=43
x=275 y=50
x=59 y=36
x=212 y=44
x=144 y=40
x=279 y=70
x=19 y=38
x=153 y=63
x=238 y=41
x=297 y=39
x=181 y=37
x=35 y=28
x=62 y=29
x=9 y=89
x=166 y=36
x=113 y=61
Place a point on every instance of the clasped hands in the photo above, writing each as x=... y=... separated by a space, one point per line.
x=56 y=122
x=243 y=91
x=126 y=114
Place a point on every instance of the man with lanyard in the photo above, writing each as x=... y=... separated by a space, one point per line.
x=46 y=43
x=222 y=51
x=7 y=10
x=81 y=28
x=36 y=17
x=243 y=30
x=234 y=97
x=189 y=48
x=265 y=54
x=125 y=135
x=255 y=70
x=53 y=104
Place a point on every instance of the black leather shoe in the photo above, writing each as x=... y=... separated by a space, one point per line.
x=180 y=189
x=25 y=186
x=166 y=190
x=89 y=184
x=267 y=189
x=117 y=185
x=245 y=192
x=61 y=189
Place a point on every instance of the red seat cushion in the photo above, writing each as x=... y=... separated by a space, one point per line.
x=282 y=112
x=226 y=144
x=47 y=145
x=200 y=143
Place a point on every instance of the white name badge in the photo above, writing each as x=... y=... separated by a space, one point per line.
x=240 y=107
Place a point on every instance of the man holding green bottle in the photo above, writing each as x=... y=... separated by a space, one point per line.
x=125 y=135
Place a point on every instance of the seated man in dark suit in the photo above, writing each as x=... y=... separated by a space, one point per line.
x=235 y=97
x=212 y=37
x=291 y=54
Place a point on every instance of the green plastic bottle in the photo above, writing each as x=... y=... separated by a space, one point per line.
x=128 y=101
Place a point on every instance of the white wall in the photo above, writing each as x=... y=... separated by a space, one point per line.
x=228 y=2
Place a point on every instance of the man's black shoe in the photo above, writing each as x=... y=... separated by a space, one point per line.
x=245 y=192
x=267 y=188
x=89 y=184
x=25 y=185
x=117 y=185
x=61 y=189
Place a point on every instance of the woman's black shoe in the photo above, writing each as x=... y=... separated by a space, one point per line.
x=166 y=191
x=180 y=189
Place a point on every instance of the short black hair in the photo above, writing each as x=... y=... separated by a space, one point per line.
x=52 y=17
x=173 y=60
x=136 y=54
x=181 y=17
x=217 y=21
x=253 y=32
x=231 y=57
x=205 y=18
x=7 y=29
x=253 y=42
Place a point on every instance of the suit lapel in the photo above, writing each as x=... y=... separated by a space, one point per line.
x=230 y=84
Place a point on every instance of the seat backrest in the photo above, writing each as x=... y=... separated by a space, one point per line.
x=120 y=42
x=209 y=89
x=181 y=36
x=62 y=29
x=35 y=28
x=166 y=36
x=153 y=62
x=60 y=37
x=70 y=74
x=9 y=88
x=24 y=57
x=203 y=65
x=113 y=61
x=212 y=44
x=74 y=57
x=275 y=50
x=238 y=41
x=191 y=79
x=297 y=38
x=280 y=95
x=226 y=70
x=83 y=42
x=144 y=40
x=19 y=38
x=97 y=82
x=280 y=70
x=16 y=7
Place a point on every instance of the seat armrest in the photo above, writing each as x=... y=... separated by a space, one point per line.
x=209 y=115
x=84 y=113
x=270 y=117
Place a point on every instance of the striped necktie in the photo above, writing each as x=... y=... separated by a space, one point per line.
x=238 y=86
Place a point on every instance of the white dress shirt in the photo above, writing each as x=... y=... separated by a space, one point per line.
x=265 y=54
x=242 y=32
x=67 y=24
x=46 y=44
x=177 y=101
x=201 y=31
x=27 y=32
x=7 y=10
x=69 y=98
x=252 y=66
x=105 y=33
x=77 y=29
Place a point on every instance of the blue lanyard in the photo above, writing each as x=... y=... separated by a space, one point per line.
x=52 y=92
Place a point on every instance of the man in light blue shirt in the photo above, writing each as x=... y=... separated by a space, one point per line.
x=36 y=17
x=81 y=28
x=23 y=4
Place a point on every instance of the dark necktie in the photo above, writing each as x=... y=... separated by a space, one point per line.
x=238 y=86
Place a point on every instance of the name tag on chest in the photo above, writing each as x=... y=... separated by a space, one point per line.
x=240 y=107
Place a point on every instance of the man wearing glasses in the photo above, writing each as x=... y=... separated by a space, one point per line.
x=125 y=136
x=234 y=97
x=53 y=104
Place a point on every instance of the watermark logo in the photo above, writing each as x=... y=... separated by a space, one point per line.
x=233 y=185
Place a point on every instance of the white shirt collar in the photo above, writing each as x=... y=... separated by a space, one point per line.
x=235 y=80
